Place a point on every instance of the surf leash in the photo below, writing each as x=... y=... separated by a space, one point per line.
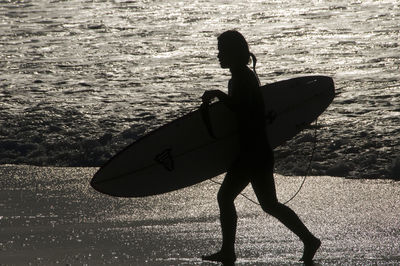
x=304 y=178
x=309 y=163
x=205 y=115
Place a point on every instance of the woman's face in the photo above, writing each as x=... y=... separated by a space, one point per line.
x=224 y=57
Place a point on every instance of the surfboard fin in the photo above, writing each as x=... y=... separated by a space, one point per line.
x=165 y=159
x=205 y=115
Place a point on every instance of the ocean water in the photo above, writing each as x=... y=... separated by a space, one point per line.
x=80 y=80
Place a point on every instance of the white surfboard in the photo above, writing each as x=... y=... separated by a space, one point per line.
x=189 y=150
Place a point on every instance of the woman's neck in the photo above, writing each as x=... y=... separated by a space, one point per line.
x=237 y=69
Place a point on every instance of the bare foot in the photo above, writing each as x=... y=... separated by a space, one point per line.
x=225 y=259
x=310 y=248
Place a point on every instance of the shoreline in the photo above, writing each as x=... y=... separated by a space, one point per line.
x=342 y=152
x=340 y=170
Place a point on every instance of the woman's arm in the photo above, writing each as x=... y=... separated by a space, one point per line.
x=222 y=97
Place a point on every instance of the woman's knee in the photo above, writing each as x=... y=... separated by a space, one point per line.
x=272 y=207
x=224 y=199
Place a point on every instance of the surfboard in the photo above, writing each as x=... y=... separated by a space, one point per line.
x=202 y=144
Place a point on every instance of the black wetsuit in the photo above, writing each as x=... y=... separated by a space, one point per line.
x=249 y=107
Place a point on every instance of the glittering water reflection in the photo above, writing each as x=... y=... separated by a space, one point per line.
x=51 y=215
x=82 y=72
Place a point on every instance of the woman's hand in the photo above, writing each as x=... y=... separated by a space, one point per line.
x=209 y=95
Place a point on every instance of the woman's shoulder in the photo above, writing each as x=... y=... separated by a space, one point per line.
x=248 y=78
x=244 y=75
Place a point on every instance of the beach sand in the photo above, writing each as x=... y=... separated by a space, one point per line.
x=52 y=216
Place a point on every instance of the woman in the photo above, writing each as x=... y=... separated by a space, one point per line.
x=255 y=161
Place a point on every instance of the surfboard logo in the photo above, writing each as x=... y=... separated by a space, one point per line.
x=165 y=159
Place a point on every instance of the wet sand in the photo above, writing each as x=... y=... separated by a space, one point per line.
x=51 y=216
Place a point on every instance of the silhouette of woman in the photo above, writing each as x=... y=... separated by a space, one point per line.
x=255 y=161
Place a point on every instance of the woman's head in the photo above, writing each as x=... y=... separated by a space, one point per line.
x=233 y=49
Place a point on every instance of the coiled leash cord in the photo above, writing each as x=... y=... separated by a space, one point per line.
x=304 y=178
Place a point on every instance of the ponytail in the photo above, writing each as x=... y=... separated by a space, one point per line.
x=254 y=60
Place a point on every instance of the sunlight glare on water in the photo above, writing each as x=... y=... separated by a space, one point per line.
x=81 y=73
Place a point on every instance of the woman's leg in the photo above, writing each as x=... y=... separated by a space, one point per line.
x=235 y=181
x=263 y=184
x=233 y=184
